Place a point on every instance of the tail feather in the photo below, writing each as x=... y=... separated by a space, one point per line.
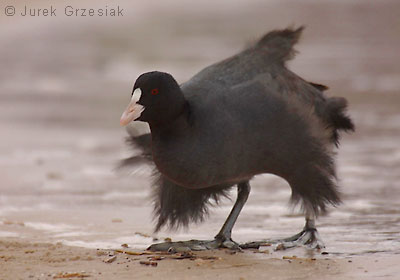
x=337 y=117
x=319 y=86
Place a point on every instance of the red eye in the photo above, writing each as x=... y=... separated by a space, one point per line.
x=154 y=91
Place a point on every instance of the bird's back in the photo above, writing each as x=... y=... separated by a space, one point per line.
x=261 y=67
x=268 y=55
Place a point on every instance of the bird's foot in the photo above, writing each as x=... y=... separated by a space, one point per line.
x=195 y=245
x=308 y=237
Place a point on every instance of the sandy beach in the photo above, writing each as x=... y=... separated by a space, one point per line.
x=55 y=261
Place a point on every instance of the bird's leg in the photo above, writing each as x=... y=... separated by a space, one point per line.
x=224 y=235
x=307 y=237
x=221 y=240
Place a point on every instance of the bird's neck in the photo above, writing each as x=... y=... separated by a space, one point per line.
x=172 y=129
x=170 y=142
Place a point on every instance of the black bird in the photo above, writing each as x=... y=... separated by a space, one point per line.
x=235 y=119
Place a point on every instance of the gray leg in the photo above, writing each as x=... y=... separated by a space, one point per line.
x=226 y=230
x=222 y=239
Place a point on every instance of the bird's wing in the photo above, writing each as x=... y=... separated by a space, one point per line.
x=264 y=62
x=268 y=55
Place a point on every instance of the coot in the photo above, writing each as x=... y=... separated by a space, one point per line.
x=243 y=116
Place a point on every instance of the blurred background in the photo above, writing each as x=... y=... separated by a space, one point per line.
x=65 y=80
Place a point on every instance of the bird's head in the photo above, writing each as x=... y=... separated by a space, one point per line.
x=156 y=98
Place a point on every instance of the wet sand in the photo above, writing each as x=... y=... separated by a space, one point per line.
x=54 y=261
x=64 y=83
